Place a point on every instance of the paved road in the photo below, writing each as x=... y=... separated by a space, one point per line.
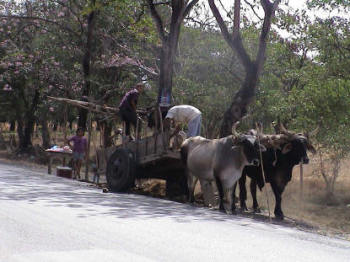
x=47 y=218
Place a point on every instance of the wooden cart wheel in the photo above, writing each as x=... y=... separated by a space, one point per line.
x=120 y=170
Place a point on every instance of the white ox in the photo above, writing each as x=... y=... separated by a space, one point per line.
x=219 y=159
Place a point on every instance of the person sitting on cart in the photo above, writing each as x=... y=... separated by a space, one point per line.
x=79 y=149
x=184 y=114
x=128 y=106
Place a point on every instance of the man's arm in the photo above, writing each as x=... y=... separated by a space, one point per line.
x=133 y=104
x=68 y=142
x=177 y=129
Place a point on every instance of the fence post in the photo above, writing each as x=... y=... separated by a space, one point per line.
x=301 y=181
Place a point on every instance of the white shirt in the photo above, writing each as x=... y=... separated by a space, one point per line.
x=183 y=113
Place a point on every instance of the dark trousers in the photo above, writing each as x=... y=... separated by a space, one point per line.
x=128 y=116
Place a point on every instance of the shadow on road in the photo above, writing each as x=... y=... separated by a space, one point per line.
x=19 y=184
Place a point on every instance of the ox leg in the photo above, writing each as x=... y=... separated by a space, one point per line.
x=221 y=193
x=227 y=200
x=234 y=198
x=243 y=192
x=278 y=197
x=208 y=193
x=253 y=192
x=191 y=182
x=216 y=196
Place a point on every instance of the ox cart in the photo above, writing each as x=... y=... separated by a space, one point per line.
x=147 y=156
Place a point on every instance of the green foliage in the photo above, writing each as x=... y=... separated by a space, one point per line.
x=305 y=81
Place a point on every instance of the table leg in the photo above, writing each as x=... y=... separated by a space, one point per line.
x=49 y=165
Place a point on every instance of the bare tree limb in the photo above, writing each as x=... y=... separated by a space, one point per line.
x=157 y=19
x=253 y=9
x=236 y=18
x=269 y=12
x=235 y=43
x=189 y=7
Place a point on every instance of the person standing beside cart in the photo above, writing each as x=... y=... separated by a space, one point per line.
x=79 y=151
x=184 y=114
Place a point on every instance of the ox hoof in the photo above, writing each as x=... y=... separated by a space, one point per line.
x=244 y=209
x=257 y=210
x=214 y=207
x=279 y=216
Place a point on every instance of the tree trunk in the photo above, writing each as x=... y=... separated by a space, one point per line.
x=25 y=144
x=107 y=134
x=242 y=99
x=165 y=74
x=20 y=133
x=239 y=106
x=86 y=65
x=12 y=126
x=180 y=9
x=45 y=134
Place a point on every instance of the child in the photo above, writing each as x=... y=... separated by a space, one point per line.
x=79 y=149
x=96 y=178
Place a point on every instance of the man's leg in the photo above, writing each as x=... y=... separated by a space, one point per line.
x=199 y=123
x=194 y=127
x=125 y=118
x=133 y=121
x=129 y=117
x=78 y=168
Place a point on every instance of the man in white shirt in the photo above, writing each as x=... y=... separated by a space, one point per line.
x=184 y=114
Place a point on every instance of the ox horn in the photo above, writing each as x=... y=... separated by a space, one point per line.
x=313 y=132
x=284 y=131
x=234 y=131
x=259 y=128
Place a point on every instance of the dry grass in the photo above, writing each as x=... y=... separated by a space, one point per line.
x=329 y=216
x=314 y=209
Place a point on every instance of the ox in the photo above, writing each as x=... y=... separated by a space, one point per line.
x=278 y=164
x=219 y=159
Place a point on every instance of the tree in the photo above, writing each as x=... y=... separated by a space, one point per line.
x=242 y=99
x=169 y=36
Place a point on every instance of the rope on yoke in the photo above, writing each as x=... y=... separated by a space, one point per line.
x=263 y=173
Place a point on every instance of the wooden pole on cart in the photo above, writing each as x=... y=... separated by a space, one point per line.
x=65 y=117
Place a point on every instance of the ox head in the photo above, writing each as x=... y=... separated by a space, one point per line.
x=297 y=146
x=251 y=146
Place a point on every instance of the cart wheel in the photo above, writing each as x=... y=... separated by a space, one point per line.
x=120 y=170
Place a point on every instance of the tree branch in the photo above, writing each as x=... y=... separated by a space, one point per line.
x=266 y=4
x=236 y=18
x=236 y=42
x=157 y=19
x=252 y=7
x=41 y=19
x=189 y=7
x=269 y=13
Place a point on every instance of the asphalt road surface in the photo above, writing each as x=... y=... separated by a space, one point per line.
x=45 y=218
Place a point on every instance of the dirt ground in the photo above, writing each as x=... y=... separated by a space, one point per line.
x=313 y=210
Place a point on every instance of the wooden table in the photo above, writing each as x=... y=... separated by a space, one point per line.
x=62 y=156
